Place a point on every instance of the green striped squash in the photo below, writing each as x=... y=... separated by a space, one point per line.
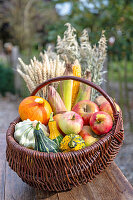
x=43 y=143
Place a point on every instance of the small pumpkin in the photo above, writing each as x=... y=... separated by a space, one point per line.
x=35 y=108
x=24 y=133
x=72 y=142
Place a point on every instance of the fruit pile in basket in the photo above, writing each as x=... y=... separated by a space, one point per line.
x=55 y=125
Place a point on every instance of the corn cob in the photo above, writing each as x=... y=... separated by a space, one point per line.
x=84 y=90
x=76 y=72
x=55 y=101
x=65 y=88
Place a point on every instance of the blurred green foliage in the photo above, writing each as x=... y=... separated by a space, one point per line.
x=117 y=70
x=23 y=22
x=6 y=79
x=32 y=24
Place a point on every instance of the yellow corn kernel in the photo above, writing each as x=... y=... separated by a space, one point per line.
x=76 y=84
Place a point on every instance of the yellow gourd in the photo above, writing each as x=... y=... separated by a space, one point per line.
x=72 y=143
x=54 y=133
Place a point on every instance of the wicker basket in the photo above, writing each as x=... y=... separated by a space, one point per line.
x=62 y=171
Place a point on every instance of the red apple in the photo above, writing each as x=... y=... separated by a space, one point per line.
x=88 y=135
x=101 y=122
x=100 y=99
x=70 y=123
x=106 y=107
x=85 y=109
x=56 y=118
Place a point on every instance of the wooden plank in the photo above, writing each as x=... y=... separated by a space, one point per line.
x=15 y=188
x=2 y=166
x=109 y=185
x=2 y=146
x=2 y=179
x=78 y=193
x=41 y=195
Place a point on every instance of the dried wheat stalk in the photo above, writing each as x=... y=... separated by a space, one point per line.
x=39 y=71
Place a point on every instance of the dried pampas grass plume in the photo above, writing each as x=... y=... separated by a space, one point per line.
x=93 y=58
x=68 y=46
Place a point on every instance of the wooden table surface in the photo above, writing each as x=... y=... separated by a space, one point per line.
x=109 y=185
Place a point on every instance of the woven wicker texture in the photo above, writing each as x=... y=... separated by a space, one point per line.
x=62 y=171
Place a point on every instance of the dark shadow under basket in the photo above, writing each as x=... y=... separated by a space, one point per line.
x=62 y=171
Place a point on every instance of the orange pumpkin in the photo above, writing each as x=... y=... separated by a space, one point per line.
x=35 y=108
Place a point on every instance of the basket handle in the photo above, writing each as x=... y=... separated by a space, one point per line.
x=61 y=78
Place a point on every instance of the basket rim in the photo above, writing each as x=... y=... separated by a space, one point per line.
x=16 y=146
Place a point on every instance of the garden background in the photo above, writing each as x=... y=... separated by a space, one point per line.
x=28 y=27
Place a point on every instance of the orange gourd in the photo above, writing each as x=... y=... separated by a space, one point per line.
x=35 y=108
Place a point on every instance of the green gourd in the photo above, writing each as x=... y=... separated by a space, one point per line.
x=43 y=143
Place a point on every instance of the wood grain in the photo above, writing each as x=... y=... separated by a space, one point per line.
x=41 y=195
x=15 y=188
x=109 y=185
x=2 y=166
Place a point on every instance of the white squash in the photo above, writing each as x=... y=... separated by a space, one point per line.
x=24 y=133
